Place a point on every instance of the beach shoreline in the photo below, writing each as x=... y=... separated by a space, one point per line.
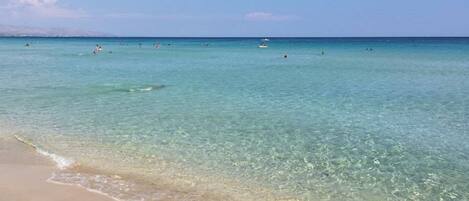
x=40 y=170
x=24 y=176
x=117 y=184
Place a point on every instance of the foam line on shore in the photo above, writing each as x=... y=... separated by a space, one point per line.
x=50 y=180
x=61 y=162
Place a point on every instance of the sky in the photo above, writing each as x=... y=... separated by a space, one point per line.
x=287 y=18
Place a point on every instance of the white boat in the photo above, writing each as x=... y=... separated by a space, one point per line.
x=263 y=43
x=263 y=46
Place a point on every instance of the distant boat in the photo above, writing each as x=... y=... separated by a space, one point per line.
x=264 y=43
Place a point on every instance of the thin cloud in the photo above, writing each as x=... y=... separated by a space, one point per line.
x=40 y=8
x=128 y=15
x=145 y=16
x=265 y=16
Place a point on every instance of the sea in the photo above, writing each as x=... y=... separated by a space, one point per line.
x=220 y=119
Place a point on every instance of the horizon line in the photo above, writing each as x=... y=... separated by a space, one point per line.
x=220 y=37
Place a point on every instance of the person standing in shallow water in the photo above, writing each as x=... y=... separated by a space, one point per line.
x=97 y=49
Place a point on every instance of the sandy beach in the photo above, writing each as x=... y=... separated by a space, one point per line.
x=24 y=174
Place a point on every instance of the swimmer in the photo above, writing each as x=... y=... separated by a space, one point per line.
x=285 y=56
x=97 y=49
x=27 y=45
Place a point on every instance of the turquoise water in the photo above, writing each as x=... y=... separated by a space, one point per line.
x=245 y=123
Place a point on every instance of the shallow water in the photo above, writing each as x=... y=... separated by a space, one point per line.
x=387 y=124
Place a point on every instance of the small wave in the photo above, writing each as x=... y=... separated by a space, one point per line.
x=147 y=88
x=110 y=88
x=61 y=162
x=55 y=179
x=141 y=89
x=119 y=189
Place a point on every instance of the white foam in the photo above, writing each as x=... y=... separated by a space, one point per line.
x=146 y=89
x=61 y=162
x=51 y=180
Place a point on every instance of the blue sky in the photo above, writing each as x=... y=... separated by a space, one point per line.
x=245 y=17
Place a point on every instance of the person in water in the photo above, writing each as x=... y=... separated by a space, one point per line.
x=27 y=45
x=97 y=49
x=285 y=56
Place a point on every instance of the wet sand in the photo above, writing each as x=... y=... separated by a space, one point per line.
x=24 y=174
